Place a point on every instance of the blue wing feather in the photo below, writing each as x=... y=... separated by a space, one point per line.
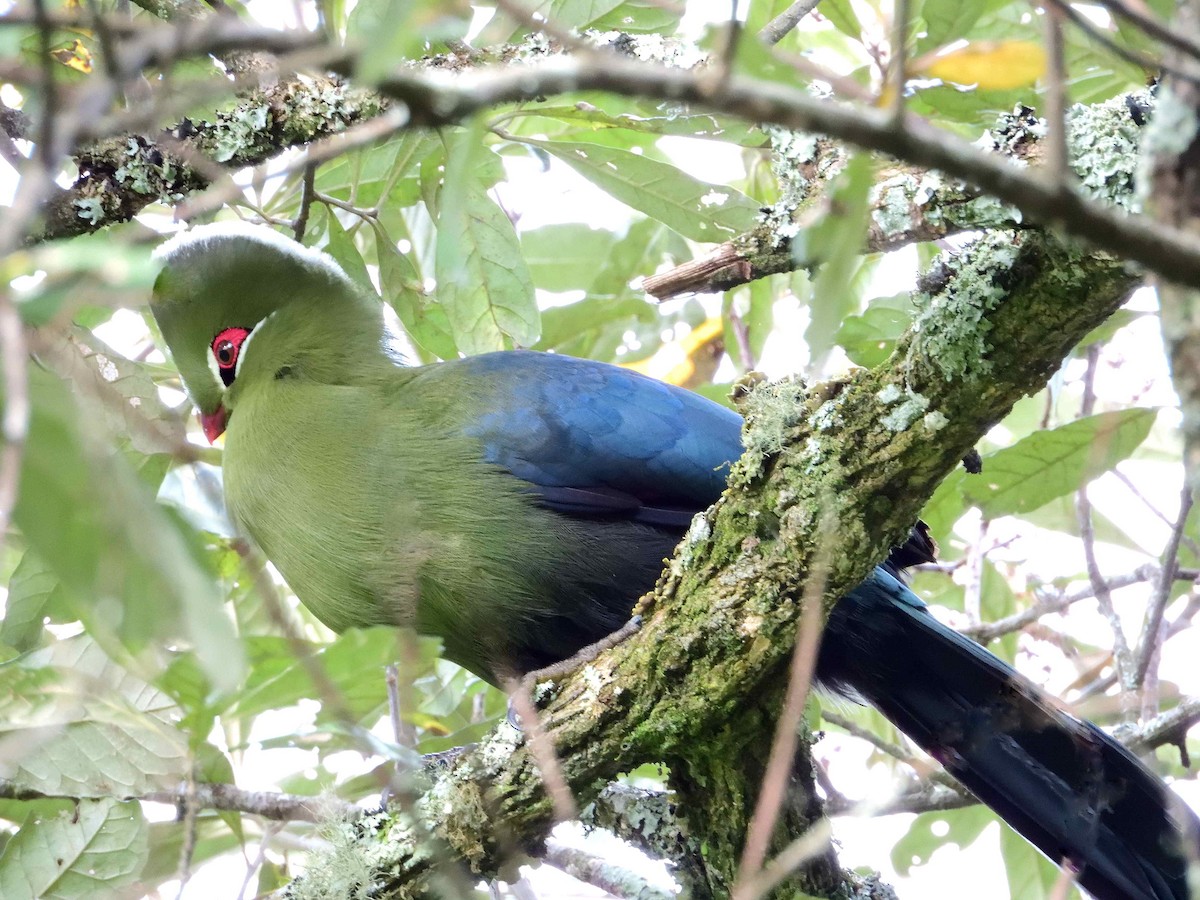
x=598 y=440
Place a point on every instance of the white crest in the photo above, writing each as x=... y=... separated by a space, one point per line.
x=214 y=231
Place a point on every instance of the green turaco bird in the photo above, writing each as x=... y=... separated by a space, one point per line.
x=517 y=505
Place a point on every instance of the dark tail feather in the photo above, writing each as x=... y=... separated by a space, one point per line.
x=919 y=548
x=1067 y=787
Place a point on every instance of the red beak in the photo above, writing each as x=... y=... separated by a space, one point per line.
x=213 y=423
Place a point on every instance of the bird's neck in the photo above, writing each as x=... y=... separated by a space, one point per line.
x=338 y=340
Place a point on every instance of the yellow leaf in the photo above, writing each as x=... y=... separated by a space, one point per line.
x=429 y=723
x=994 y=65
x=698 y=361
x=75 y=56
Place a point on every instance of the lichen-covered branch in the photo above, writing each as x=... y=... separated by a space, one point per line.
x=909 y=204
x=1164 y=250
x=120 y=176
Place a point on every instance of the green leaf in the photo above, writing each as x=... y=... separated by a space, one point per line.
x=93 y=270
x=946 y=506
x=563 y=257
x=997 y=601
x=1030 y=875
x=869 y=339
x=841 y=14
x=482 y=280
x=353 y=663
x=87 y=727
x=94 y=851
x=837 y=242
x=343 y=249
x=598 y=326
x=1048 y=464
x=641 y=17
x=212 y=838
x=590 y=319
x=391 y=30
x=1105 y=331
x=531 y=122
x=136 y=576
x=948 y=20
x=127 y=399
x=34 y=594
x=960 y=826
x=626 y=16
x=424 y=319
x=694 y=208
x=387 y=175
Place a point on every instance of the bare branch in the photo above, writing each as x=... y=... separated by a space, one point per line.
x=600 y=872
x=277 y=807
x=1149 y=641
x=776 y=30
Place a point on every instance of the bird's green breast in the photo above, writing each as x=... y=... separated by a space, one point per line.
x=376 y=509
x=302 y=478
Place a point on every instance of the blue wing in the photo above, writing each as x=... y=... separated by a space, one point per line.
x=597 y=440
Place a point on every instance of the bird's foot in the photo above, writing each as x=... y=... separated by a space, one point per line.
x=565 y=667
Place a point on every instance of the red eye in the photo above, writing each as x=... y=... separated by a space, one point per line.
x=225 y=348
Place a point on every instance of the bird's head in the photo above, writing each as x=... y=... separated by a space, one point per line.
x=219 y=286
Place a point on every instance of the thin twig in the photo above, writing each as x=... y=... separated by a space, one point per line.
x=897 y=76
x=325 y=149
x=1087 y=533
x=188 y=813
x=990 y=631
x=1154 y=27
x=370 y=215
x=1134 y=57
x=783 y=746
x=50 y=111
x=832 y=794
x=276 y=807
x=1148 y=643
x=601 y=872
x=775 y=30
x=973 y=589
x=1063 y=883
x=543 y=751
x=722 y=66
x=919 y=798
x=272 y=829
x=331 y=697
x=924 y=768
x=812 y=843
x=1057 y=164
x=306 y=198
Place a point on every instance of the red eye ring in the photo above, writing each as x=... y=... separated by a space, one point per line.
x=225 y=348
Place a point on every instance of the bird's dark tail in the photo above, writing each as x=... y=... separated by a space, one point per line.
x=1074 y=792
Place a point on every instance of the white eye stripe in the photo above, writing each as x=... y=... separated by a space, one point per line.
x=211 y=359
x=237 y=366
